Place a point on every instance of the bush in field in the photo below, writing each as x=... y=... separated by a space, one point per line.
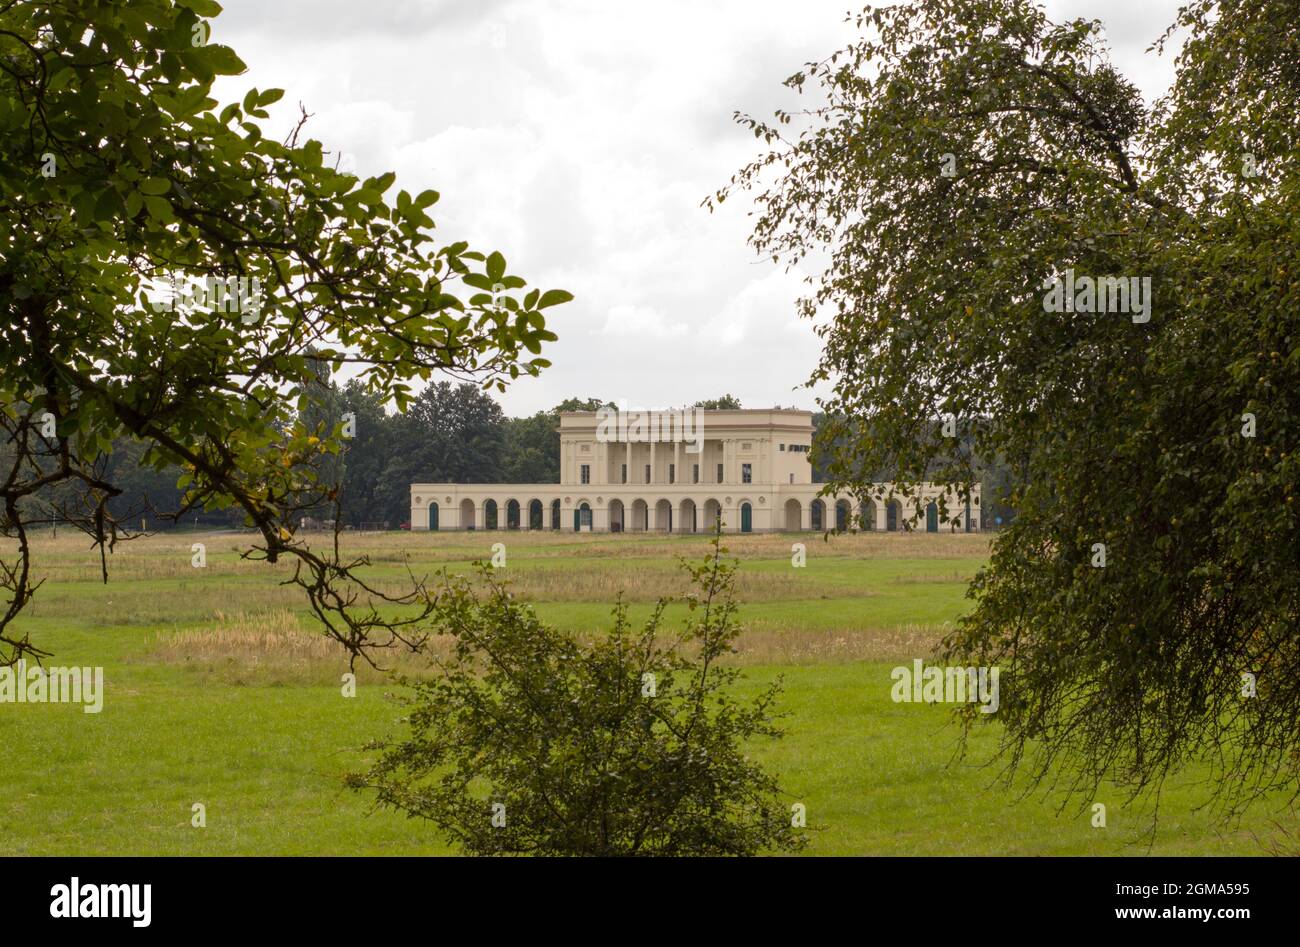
x=526 y=742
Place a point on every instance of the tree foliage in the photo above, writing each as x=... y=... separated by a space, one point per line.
x=119 y=172
x=965 y=153
x=525 y=741
x=725 y=403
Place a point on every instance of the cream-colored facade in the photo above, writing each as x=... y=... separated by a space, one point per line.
x=748 y=467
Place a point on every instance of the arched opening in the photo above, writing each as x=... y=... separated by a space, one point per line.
x=536 y=512
x=893 y=513
x=746 y=518
x=664 y=516
x=433 y=516
x=512 y=514
x=793 y=515
x=932 y=517
x=490 y=514
x=818 y=514
x=842 y=515
x=687 y=517
x=616 y=517
x=712 y=515
x=640 y=516
x=466 y=514
x=582 y=518
x=867 y=515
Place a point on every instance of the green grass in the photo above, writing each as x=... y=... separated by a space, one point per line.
x=267 y=760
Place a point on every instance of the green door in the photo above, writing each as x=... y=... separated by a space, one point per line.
x=746 y=518
x=577 y=521
x=433 y=516
x=932 y=518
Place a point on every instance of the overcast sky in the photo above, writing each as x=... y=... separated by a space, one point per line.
x=578 y=137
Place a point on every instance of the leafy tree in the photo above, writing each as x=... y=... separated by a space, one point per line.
x=320 y=412
x=462 y=433
x=725 y=403
x=622 y=747
x=374 y=442
x=580 y=404
x=533 y=444
x=532 y=449
x=118 y=172
x=453 y=434
x=968 y=153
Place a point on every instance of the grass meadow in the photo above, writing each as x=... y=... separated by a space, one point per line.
x=217 y=691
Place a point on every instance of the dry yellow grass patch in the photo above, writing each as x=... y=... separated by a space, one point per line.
x=767 y=645
x=604 y=582
x=277 y=647
x=272 y=647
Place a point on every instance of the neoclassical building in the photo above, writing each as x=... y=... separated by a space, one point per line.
x=651 y=473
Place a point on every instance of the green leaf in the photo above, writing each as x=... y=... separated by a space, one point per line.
x=159 y=209
x=554 y=297
x=204 y=8
x=223 y=61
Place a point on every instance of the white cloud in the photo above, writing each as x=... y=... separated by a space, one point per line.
x=641 y=322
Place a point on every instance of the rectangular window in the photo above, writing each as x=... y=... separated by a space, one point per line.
x=719 y=473
x=780 y=447
x=647 y=473
x=792 y=478
x=746 y=473
x=672 y=473
x=625 y=473
x=586 y=473
x=696 y=474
